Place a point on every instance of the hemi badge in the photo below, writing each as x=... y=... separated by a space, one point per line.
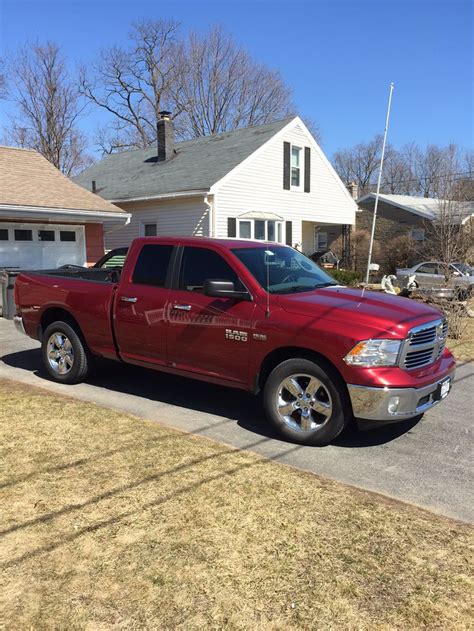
x=259 y=337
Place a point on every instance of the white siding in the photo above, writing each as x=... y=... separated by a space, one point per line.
x=188 y=217
x=258 y=186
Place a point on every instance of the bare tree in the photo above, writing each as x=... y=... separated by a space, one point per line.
x=223 y=88
x=450 y=233
x=359 y=164
x=3 y=81
x=133 y=84
x=48 y=107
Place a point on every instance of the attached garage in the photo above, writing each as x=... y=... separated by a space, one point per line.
x=41 y=246
x=45 y=219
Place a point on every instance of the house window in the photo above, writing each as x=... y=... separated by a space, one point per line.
x=296 y=167
x=261 y=229
x=245 y=229
x=149 y=229
x=320 y=240
x=46 y=235
x=67 y=235
x=3 y=234
x=417 y=234
x=23 y=235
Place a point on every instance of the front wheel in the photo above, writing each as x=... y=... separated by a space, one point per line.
x=305 y=402
x=65 y=355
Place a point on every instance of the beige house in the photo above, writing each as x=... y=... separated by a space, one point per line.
x=45 y=219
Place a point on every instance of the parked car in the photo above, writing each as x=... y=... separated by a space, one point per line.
x=456 y=278
x=248 y=315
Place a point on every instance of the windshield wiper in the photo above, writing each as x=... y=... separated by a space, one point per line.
x=324 y=285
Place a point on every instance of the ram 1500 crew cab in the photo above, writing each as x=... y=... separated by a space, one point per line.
x=246 y=314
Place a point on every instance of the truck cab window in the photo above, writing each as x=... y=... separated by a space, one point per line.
x=200 y=263
x=152 y=265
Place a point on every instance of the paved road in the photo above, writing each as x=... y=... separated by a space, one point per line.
x=429 y=463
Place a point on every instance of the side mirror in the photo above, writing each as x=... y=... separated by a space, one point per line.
x=224 y=289
x=457 y=274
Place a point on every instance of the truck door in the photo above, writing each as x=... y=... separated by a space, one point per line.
x=207 y=335
x=141 y=303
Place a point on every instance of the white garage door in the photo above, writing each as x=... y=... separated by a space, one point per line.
x=41 y=246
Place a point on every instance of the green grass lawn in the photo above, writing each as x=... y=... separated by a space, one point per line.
x=112 y=522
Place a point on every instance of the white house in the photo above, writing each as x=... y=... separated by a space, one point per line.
x=268 y=182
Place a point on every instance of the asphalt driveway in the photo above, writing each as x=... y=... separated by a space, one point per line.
x=429 y=463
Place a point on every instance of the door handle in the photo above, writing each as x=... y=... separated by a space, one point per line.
x=127 y=299
x=182 y=307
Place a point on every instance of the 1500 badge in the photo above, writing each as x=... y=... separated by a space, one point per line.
x=237 y=336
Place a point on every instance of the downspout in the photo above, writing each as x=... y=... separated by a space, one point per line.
x=212 y=215
x=118 y=227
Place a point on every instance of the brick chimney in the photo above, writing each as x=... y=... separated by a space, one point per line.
x=353 y=190
x=165 y=136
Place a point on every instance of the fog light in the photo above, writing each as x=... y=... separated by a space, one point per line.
x=393 y=404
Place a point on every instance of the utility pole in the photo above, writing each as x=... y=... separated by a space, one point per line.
x=369 y=261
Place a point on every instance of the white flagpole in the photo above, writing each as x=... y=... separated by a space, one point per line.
x=369 y=261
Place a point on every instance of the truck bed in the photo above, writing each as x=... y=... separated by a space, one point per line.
x=102 y=275
x=88 y=294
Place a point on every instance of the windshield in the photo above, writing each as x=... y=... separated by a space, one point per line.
x=464 y=269
x=283 y=270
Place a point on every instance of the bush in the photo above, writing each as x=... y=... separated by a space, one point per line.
x=399 y=252
x=345 y=276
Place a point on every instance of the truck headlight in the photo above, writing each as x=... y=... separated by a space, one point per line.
x=374 y=353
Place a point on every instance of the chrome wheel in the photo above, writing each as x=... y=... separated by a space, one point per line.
x=60 y=353
x=303 y=403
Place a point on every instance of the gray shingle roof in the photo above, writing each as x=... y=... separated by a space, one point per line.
x=197 y=164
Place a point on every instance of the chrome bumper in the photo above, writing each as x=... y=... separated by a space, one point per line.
x=18 y=321
x=395 y=404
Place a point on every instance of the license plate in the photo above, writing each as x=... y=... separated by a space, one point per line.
x=444 y=388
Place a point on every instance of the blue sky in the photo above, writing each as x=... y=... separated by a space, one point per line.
x=339 y=57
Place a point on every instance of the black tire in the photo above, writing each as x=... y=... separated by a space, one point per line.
x=79 y=358
x=332 y=393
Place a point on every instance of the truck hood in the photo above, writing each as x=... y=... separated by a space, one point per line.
x=356 y=308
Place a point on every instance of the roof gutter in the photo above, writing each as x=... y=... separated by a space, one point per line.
x=32 y=212
x=150 y=198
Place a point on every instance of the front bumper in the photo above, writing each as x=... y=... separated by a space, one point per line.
x=396 y=404
x=19 y=326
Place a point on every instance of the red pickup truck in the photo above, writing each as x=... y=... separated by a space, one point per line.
x=250 y=315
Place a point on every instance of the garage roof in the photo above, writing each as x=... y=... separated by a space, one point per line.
x=425 y=207
x=28 y=179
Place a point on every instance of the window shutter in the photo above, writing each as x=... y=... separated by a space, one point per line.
x=231 y=227
x=289 y=232
x=307 y=169
x=286 y=165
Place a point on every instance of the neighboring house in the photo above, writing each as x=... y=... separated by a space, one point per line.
x=268 y=182
x=45 y=219
x=404 y=215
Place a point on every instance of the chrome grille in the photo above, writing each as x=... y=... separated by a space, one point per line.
x=424 y=345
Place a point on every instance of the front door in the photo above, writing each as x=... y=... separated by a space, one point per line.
x=210 y=336
x=141 y=304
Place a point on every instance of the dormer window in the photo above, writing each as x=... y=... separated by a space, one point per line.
x=296 y=166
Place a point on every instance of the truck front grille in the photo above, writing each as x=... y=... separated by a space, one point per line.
x=424 y=345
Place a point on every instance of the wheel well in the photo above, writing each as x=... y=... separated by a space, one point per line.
x=280 y=355
x=55 y=314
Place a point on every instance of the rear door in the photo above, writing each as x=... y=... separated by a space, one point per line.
x=210 y=336
x=141 y=305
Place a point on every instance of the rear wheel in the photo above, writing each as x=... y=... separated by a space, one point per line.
x=65 y=355
x=306 y=403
